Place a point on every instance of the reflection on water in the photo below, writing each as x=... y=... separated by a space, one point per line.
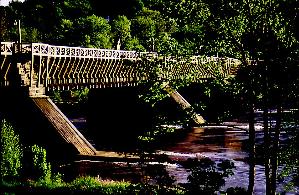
x=216 y=142
x=221 y=143
x=211 y=139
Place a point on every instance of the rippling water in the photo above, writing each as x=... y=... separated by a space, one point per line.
x=217 y=143
x=221 y=143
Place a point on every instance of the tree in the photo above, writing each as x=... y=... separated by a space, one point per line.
x=121 y=27
x=187 y=19
x=92 y=31
x=206 y=176
x=149 y=26
x=114 y=8
x=3 y=23
x=144 y=27
x=11 y=152
x=259 y=30
x=134 y=44
x=73 y=9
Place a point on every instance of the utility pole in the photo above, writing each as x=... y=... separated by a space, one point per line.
x=18 y=24
x=19 y=41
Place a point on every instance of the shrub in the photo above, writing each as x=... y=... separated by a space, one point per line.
x=11 y=152
x=87 y=183
x=41 y=167
x=160 y=175
x=207 y=177
x=42 y=170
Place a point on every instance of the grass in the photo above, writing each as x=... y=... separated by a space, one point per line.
x=84 y=185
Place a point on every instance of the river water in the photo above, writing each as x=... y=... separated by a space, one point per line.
x=219 y=143
x=225 y=142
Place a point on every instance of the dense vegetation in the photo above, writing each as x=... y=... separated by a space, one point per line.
x=262 y=31
x=226 y=28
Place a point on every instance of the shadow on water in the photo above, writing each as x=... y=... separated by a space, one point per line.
x=112 y=119
x=116 y=117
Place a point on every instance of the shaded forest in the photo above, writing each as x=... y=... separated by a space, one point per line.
x=262 y=34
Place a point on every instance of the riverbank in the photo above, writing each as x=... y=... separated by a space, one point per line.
x=85 y=185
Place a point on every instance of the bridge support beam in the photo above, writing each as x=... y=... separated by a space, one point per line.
x=63 y=126
x=184 y=104
x=39 y=121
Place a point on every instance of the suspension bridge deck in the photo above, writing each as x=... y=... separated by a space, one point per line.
x=60 y=67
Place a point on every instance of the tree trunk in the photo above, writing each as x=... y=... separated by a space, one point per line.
x=266 y=149
x=267 y=134
x=275 y=150
x=251 y=151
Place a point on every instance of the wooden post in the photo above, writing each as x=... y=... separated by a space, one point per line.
x=183 y=104
x=47 y=69
x=32 y=68
x=39 y=71
x=20 y=33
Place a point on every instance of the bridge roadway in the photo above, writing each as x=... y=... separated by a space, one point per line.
x=39 y=67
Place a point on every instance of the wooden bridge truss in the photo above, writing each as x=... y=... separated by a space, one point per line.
x=59 y=67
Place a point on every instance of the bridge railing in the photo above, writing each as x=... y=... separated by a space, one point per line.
x=52 y=65
x=7 y=48
x=10 y=48
x=40 y=49
x=201 y=67
x=63 y=64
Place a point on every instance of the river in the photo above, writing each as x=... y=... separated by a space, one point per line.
x=225 y=141
x=219 y=143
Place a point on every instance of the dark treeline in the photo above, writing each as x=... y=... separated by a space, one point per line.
x=197 y=27
x=262 y=31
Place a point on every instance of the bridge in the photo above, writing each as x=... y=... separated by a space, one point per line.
x=38 y=68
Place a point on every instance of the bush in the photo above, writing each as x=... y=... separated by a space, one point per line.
x=11 y=153
x=42 y=170
x=159 y=174
x=41 y=167
x=94 y=185
x=206 y=176
x=85 y=184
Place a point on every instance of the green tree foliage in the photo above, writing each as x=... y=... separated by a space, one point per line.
x=121 y=27
x=11 y=152
x=75 y=96
x=134 y=44
x=38 y=18
x=8 y=16
x=260 y=30
x=42 y=169
x=66 y=28
x=256 y=30
x=145 y=29
x=92 y=31
x=290 y=159
x=149 y=26
x=4 y=23
x=73 y=9
x=40 y=164
x=188 y=20
x=114 y=8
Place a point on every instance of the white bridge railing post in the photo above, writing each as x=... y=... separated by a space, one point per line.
x=73 y=65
